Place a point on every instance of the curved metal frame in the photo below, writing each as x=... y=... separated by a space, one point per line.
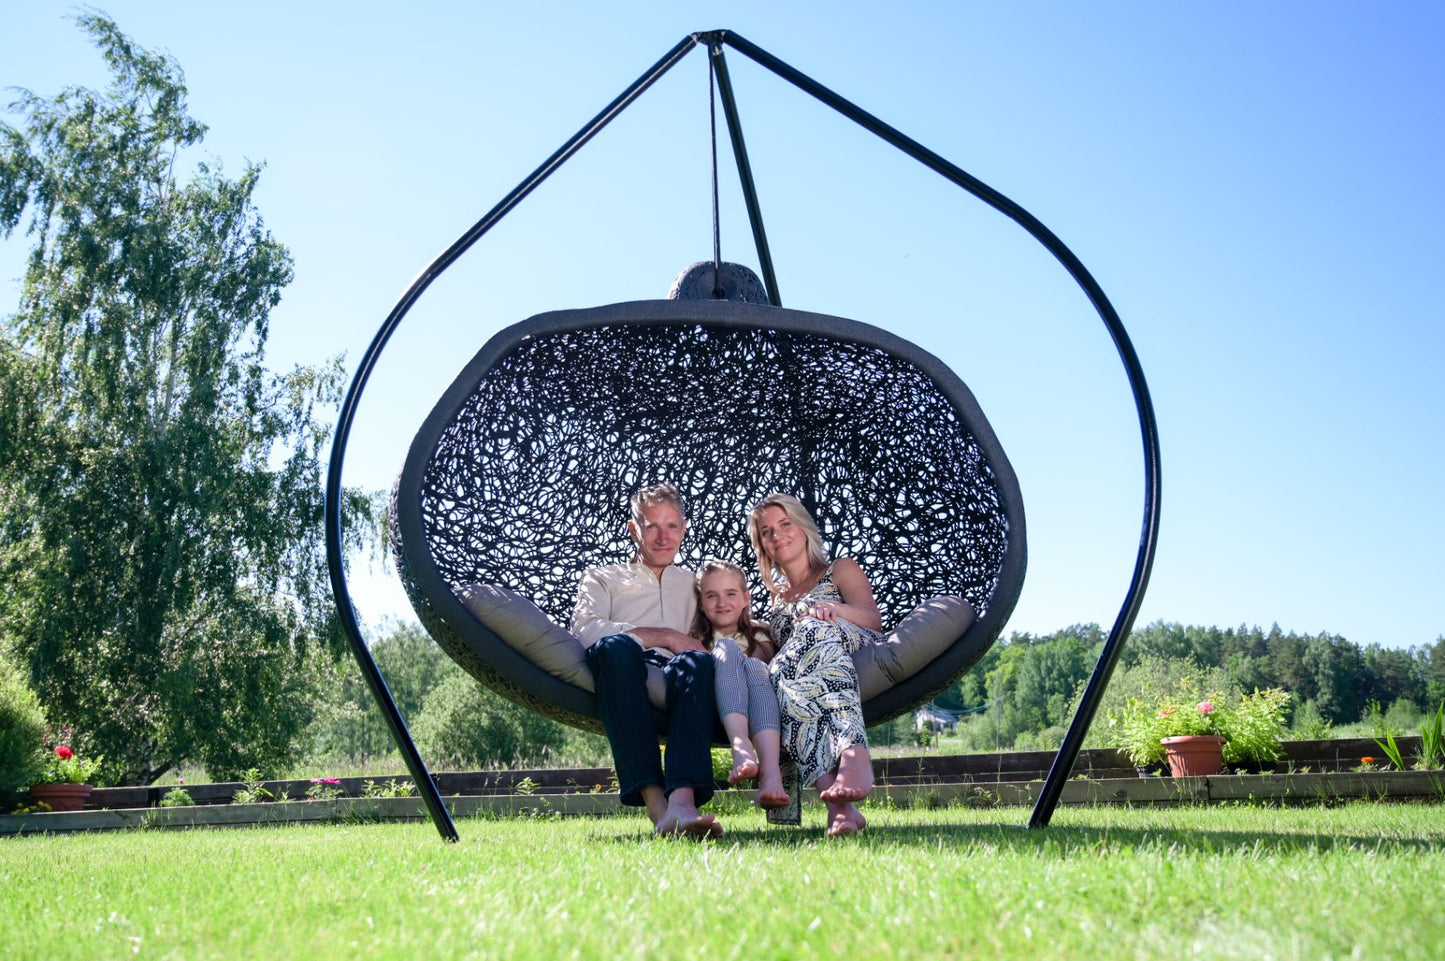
x=715 y=40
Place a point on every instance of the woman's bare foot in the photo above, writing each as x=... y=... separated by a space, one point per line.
x=771 y=793
x=853 y=780
x=844 y=820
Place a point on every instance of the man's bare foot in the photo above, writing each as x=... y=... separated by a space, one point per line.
x=701 y=827
x=678 y=814
x=655 y=802
x=853 y=780
x=771 y=793
x=745 y=766
x=844 y=820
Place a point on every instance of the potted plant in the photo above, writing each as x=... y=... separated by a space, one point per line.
x=1198 y=732
x=64 y=780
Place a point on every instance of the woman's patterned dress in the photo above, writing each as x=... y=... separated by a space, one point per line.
x=817 y=685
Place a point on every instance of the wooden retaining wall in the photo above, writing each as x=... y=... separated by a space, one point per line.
x=1311 y=772
x=1300 y=756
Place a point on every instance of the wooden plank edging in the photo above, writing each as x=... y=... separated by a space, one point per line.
x=1258 y=788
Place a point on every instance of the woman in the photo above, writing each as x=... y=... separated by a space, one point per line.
x=820 y=614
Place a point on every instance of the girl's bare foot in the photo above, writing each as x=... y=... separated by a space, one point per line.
x=745 y=765
x=853 y=780
x=771 y=793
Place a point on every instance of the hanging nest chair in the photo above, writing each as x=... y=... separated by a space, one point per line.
x=520 y=477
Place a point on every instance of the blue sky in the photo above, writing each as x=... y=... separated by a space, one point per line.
x=1256 y=187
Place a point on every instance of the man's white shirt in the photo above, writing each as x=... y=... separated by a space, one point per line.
x=619 y=597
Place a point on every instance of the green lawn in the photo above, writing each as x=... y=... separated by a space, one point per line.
x=1363 y=880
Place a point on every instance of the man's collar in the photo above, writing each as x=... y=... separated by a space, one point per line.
x=637 y=562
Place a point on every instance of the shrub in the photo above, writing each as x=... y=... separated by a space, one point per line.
x=1252 y=725
x=393 y=787
x=1308 y=724
x=465 y=725
x=22 y=728
x=62 y=764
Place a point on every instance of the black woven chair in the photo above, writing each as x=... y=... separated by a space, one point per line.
x=519 y=478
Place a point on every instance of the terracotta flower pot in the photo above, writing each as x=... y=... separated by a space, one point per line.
x=1194 y=755
x=62 y=797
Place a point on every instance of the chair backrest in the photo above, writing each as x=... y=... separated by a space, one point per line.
x=521 y=474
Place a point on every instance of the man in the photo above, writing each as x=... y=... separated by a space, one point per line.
x=634 y=614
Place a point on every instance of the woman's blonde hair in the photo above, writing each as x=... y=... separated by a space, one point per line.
x=702 y=627
x=799 y=515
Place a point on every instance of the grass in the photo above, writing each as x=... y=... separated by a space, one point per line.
x=1360 y=880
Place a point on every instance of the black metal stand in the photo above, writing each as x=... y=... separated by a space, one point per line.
x=715 y=40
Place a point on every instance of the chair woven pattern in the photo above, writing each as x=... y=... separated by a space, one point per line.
x=529 y=482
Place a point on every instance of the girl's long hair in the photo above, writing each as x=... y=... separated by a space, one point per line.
x=702 y=627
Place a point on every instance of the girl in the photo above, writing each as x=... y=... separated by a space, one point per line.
x=745 y=698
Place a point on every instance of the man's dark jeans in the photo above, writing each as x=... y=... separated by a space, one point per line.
x=619 y=666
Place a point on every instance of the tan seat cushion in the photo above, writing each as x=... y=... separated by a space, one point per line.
x=531 y=633
x=920 y=637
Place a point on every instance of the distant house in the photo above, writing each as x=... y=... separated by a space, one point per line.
x=934 y=718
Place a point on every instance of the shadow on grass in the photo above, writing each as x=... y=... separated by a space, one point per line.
x=1057 y=841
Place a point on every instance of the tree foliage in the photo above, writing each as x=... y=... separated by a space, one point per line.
x=456 y=722
x=22 y=728
x=1025 y=689
x=464 y=726
x=412 y=665
x=161 y=556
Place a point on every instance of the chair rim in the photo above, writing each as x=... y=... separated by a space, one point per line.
x=412 y=546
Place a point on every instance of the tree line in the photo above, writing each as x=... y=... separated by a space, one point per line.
x=1024 y=689
x=1021 y=694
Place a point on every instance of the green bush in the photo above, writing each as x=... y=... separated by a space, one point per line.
x=1308 y=724
x=465 y=726
x=1252 y=725
x=22 y=728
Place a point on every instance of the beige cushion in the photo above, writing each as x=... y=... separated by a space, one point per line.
x=531 y=633
x=920 y=637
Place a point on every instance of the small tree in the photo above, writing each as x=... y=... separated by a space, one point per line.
x=162 y=567
x=413 y=666
x=464 y=725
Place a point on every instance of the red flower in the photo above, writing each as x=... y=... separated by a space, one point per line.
x=63 y=752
